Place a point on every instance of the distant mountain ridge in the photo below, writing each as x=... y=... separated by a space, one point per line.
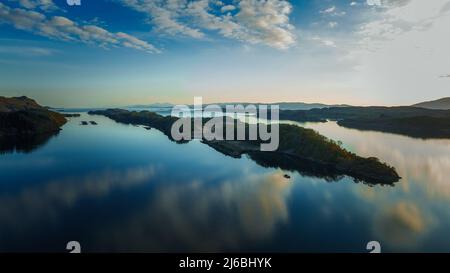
x=294 y=105
x=152 y=105
x=440 y=104
x=283 y=105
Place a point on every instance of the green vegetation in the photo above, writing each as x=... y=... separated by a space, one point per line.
x=21 y=116
x=25 y=125
x=409 y=121
x=300 y=149
x=420 y=127
x=147 y=118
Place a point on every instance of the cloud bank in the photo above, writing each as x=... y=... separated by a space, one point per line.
x=46 y=5
x=64 y=29
x=250 y=21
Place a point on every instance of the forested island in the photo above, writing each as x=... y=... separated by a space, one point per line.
x=300 y=149
x=24 y=125
x=405 y=120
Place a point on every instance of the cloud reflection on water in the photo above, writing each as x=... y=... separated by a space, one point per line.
x=424 y=162
x=46 y=202
x=406 y=214
x=198 y=216
x=402 y=225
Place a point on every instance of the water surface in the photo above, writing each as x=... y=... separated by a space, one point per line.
x=116 y=187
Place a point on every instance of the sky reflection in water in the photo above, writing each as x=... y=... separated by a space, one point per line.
x=115 y=187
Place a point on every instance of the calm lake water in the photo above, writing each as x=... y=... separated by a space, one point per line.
x=115 y=187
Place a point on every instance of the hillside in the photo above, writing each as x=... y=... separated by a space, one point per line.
x=24 y=116
x=440 y=104
x=404 y=120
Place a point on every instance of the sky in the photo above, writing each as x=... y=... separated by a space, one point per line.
x=124 y=52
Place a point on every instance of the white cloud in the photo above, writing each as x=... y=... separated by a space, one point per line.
x=404 y=49
x=201 y=17
x=328 y=10
x=405 y=18
x=332 y=11
x=46 y=5
x=27 y=51
x=267 y=22
x=62 y=28
x=324 y=41
x=332 y=24
x=164 y=15
x=329 y=43
x=227 y=8
x=133 y=42
x=254 y=22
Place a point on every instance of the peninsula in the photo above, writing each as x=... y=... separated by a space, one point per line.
x=404 y=120
x=298 y=147
x=26 y=125
x=24 y=116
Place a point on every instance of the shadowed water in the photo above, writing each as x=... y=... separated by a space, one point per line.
x=115 y=187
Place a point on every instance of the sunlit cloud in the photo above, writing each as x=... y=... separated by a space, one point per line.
x=46 y=5
x=249 y=21
x=64 y=29
x=401 y=225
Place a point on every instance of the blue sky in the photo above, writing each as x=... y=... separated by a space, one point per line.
x=119 y=52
